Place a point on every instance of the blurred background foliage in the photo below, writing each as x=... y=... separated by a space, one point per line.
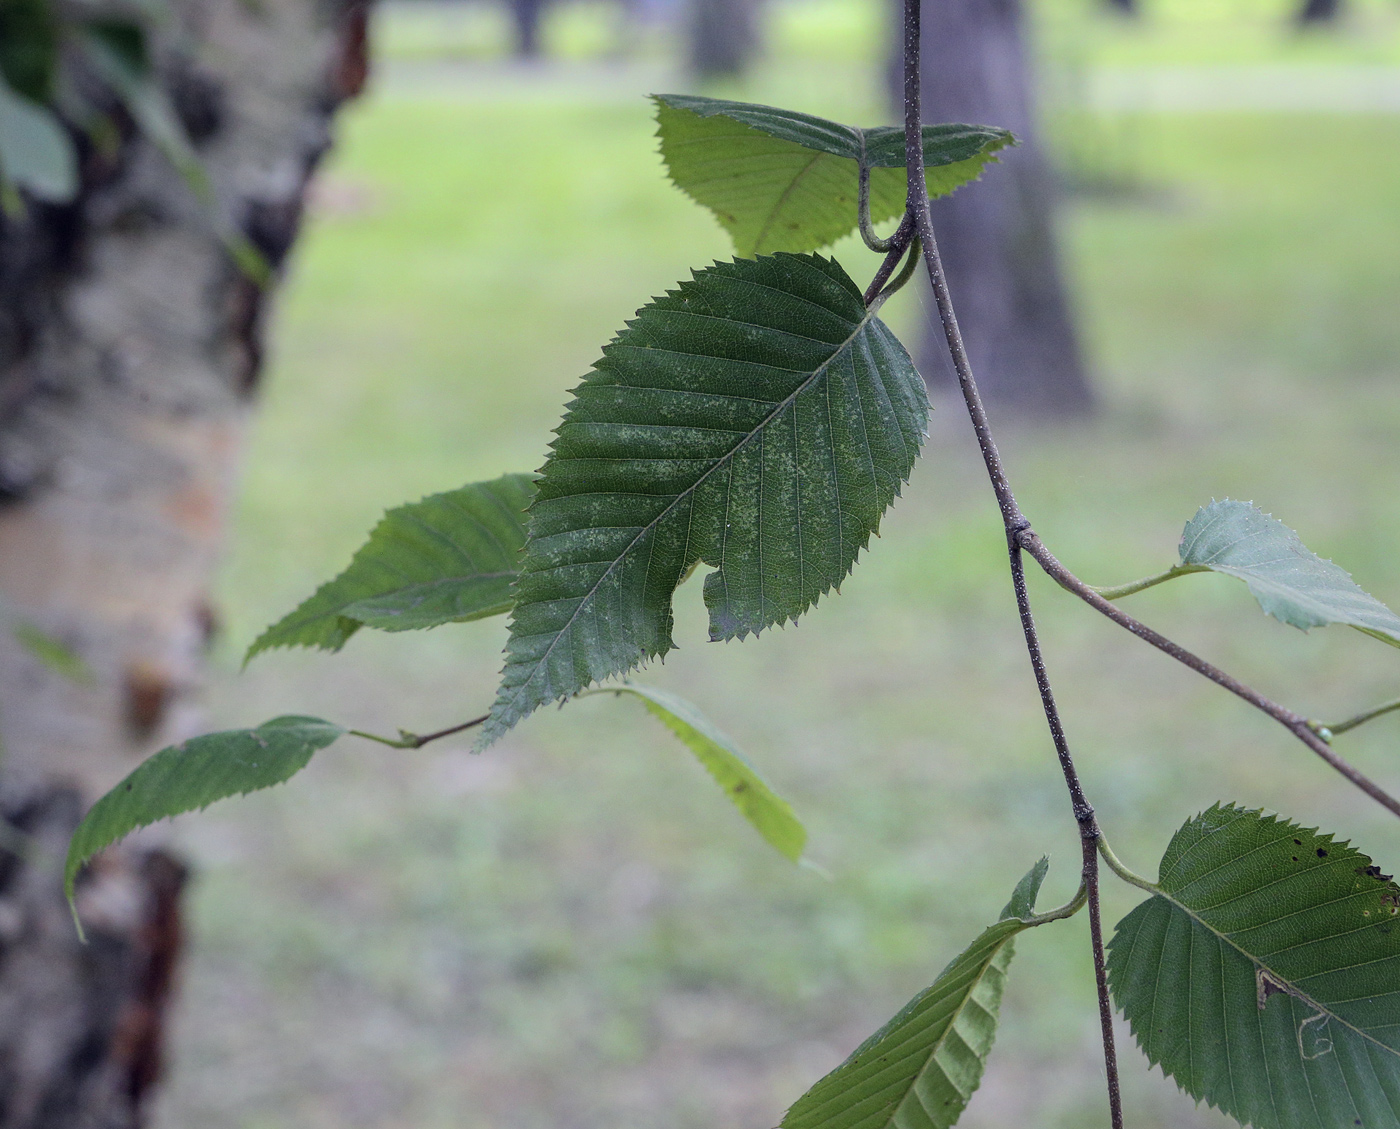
x=574 y=930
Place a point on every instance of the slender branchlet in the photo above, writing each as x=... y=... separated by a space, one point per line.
x=1015 y=523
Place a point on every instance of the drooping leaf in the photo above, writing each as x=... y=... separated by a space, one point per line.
x=770 y=814
x=758 y=418
x=446 y=559
x=195 y=773
x=53 y=653
x=1265 y=977
x=1290 y=582
x=783 y=181
x=36 y=154
x=920 y=1069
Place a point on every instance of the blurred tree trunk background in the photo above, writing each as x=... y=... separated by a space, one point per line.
x=1319 y=11
x=997 y=236
x=130 y=349
x=722 y=36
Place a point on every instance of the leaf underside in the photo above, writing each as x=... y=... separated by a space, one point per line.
x=1290 y=582
x=449 y=558
x=921 y=1068
x=1265 y=978
x=778 y=180
x=759 y=419
x=35 y=152
x=769 y=813
x=193 y=775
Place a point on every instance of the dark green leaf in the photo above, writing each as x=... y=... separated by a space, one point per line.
x=53 y=653
x=36 y=153
x=449 y=558
x=29 y=39
x=769 y=813
x=783 y=181
x=919 y=1070
x=760 y=419
x=1290 y=582
x=1265 y=976
x=195 y=773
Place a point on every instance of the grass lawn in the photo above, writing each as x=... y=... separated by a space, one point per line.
x=575 y=931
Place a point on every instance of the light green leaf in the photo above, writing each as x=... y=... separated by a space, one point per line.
x=783 y=181
x=195 y=773
x=1265 y=976
x=36 y=152
x=760 y=419
x=53 y=653
x=1290 y=582
x=446 y=559
x=769 y=813
x=919 y=1070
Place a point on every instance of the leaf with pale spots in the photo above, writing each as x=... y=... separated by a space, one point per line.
x=1264 y=975
x=921 y=1068
x=195 y=773
x=758 y=419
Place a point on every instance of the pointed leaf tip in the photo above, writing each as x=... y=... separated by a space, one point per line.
x=449 y=558
x=921 y=1068
x=771 y=815
x=195 y=773
x=1290 y=582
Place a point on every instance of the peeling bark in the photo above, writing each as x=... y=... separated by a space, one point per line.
x=130 y=346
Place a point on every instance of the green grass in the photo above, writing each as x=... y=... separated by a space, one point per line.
x=575 y=929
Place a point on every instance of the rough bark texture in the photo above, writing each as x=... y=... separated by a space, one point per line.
x=997 y=236
x=723 y=37
x=129 y=349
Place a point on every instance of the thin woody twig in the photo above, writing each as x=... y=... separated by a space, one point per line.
x=1015 y=524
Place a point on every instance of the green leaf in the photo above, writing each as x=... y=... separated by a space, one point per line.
x=783 y=181
x=1265 y=976
x=760 y=419
x=53 y=653
x=769 y=813
x=919 y=1070
x=446 y=559
x=1290 y=582
x=195 y=773
x=36 y=152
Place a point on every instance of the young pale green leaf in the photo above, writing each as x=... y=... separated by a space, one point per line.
x=783 y=181
x=36 y=154
x=1290 y=582
x=920 y=1069
x=195 y=773
x=53 y=653
x=1265 y=975
x=449 y=558
x=760 y=805
x=760 y=419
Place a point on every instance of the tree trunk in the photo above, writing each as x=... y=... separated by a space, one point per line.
x=723 y=37
x=1319 y=11
x=997 y=236
x=129 y=349
x=527 y=15
x=1124 y=7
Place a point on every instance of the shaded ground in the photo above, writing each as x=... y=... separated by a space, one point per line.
x=573 y=930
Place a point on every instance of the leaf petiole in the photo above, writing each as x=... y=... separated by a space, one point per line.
x=1115 y=864
x=1327 y=732
x=1118 y=591
x=407 y=740
x=1069 y=909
